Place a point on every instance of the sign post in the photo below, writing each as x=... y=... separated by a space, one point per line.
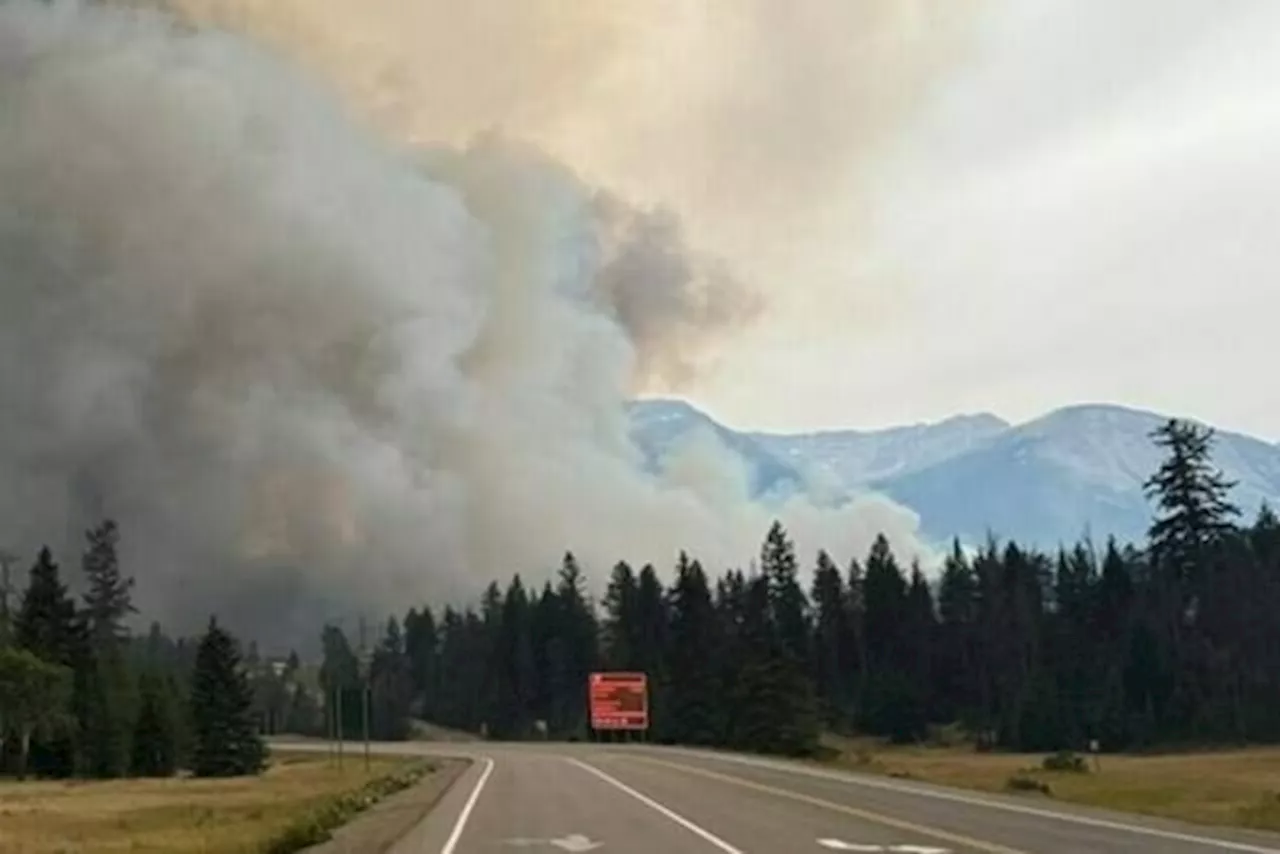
x=619 y=702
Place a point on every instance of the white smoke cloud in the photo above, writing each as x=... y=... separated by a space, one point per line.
x=312 y=373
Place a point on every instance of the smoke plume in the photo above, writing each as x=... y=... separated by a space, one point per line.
x=313 y=373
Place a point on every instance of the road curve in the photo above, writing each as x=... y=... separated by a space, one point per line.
x=553 y=798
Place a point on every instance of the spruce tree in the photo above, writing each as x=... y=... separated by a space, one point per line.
x=620 y=618
x=109 y=597
x=692 y=689
x=422 y=645
x=787 y=604
x=574 y=649
x=834 y=668
x=390 y=686
x=47 y=625
x=46 y=622
x=106 y=699
x=156 y=735
x=1194 y=512
x=226 y=743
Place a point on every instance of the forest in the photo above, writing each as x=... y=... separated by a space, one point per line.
x=1167 y=643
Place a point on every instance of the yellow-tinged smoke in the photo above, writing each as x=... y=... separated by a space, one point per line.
x=756 y=121
x=308 y=370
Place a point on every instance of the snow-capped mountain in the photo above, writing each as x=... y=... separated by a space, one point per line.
x=1074 y=471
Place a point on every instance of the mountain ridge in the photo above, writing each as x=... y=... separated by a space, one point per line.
x=1075 y=470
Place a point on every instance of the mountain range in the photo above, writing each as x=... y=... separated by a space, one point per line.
x=1076 y=471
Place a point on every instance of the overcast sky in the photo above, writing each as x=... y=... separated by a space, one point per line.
x=1086 y=208
x=950 y=205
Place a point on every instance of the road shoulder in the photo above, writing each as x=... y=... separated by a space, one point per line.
x=376 y=830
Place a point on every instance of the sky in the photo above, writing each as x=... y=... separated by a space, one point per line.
x=945 y=207
x=1082 y=210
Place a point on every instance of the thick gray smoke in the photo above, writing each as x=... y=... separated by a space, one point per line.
x=313 y=375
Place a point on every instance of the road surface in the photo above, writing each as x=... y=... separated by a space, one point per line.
x=544 y=799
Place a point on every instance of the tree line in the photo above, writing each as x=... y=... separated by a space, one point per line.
x=1133 y=645
x=1130 y=645
x=80 y=697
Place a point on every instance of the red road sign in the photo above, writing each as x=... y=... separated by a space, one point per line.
x=619 y=701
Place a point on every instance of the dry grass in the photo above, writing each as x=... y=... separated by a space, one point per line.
x=187 y=815
x=1238 y=788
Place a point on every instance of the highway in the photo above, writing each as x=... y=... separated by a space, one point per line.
x=637 y=800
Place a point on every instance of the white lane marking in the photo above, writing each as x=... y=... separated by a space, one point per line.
x=452 y=842
x=575 y=842
x=657 y=807
x=841 y=845
x=980 y=802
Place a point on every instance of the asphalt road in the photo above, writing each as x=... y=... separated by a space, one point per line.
x=558 y=798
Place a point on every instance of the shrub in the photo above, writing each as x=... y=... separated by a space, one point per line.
x=1065 y=760
x=1024 y=783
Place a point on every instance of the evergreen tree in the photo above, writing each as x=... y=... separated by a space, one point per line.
x=422 y=645
x=652 y=642
x=519 y=685
x=156 y=735
x=1193 y=510
x=575 y=651
x=109 y=597
x=888 y=685
x=47 y=626
x=620 y=627
x=34 y=697
x=105 y=699
x=390 y=687
x=46 y=621
x=787 y=604
x=340 y=681
x=226 y=743
x=692 y=687
x=956 y=659
x=834 y=664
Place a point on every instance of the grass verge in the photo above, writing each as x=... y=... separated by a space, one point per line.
x=297 y=801
x=1238 y=788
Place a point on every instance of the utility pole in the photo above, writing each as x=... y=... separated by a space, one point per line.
x=364 y=691
x=338 y=723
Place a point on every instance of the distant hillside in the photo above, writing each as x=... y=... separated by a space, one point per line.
x=1050 y=480
x=657 y=424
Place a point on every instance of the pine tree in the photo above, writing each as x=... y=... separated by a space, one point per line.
x=390 y=687
x=888 y=686
x=787 y=604
x=620 y=621
x=574 y=653
x=105 y=701
x=109 y=597
x=692 y=689
x=48 y=627
x=651 y=643
x=515 y=713
x=1194 y=512
x=339 y=675
x=156 y=735
x=957 y=639
x=834 y=666
x=422 y=645
x=46 y=620
x=226 y=742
